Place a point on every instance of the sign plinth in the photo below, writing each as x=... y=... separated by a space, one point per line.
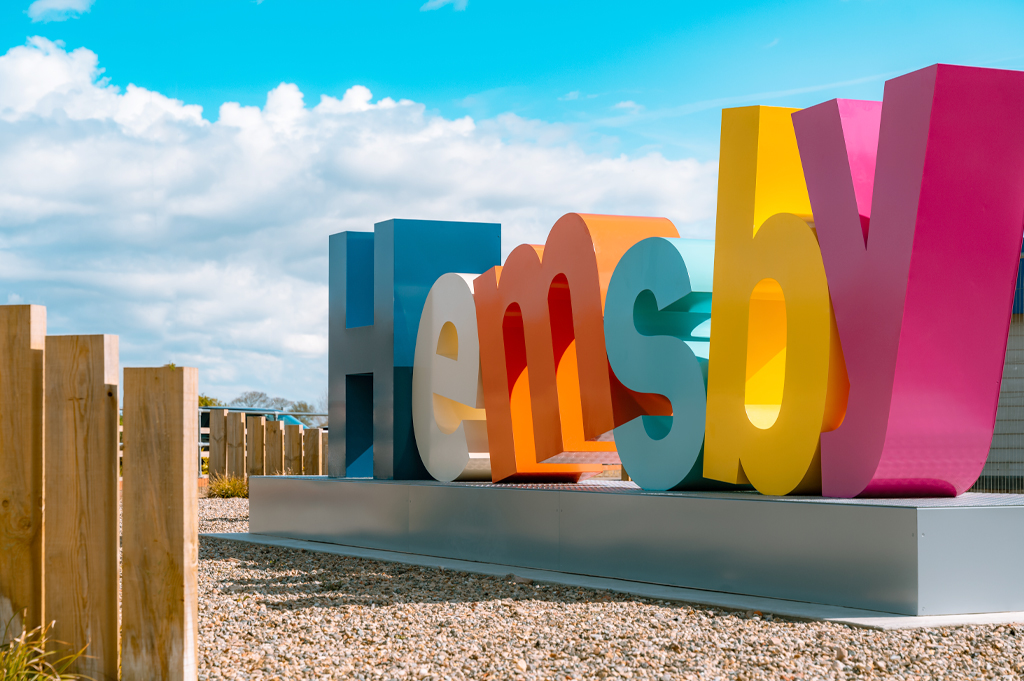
x=902 y=556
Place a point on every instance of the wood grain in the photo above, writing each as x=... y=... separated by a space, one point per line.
x=274 y=448
x=235 y=448
x=311 y=451
x=160 y=515
x=255 y=444
x=292 y=449
x=22 y=342
x=217 y=464
x=81 y=437
x=323 y=455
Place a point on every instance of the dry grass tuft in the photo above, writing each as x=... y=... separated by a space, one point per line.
x=227 y=487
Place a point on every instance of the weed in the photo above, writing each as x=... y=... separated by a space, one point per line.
x=226 y=487
x=26 y=658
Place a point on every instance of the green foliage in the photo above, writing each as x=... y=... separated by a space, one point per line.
x=25 y=658
x=227 y=487
x=207 y=401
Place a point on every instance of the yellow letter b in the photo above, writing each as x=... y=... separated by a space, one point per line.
x=776 y=376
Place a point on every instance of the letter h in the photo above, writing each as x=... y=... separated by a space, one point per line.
x=379 y=282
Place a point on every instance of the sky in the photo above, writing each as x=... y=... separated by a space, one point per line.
x=170 y=171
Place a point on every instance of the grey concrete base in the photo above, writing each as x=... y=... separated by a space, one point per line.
x=916 y=557
x=769 y=606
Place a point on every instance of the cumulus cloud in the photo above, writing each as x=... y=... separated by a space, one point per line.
x=126 y=212
x=58 y=10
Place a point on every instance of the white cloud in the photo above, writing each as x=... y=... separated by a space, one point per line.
x=629 y=105
x=58 y=10
x=457 y=5
x=570 y=96
x=125 y=212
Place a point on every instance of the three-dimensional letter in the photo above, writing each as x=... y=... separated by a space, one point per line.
x=921 y=247
x=655 y=326
x=447 y=395
x=548 y=389
x=378 y=285
x=776 y=377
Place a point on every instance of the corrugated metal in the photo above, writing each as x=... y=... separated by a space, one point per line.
x=1004 y=470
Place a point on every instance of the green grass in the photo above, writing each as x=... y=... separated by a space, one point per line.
x=25 y=658
x=227 y=487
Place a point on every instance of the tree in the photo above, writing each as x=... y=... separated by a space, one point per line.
x=207 y=401
x=311 y=421
x=256 y=399
x=252 y=398
x=279 y=403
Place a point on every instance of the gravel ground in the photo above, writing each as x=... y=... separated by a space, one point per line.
x=269 y=613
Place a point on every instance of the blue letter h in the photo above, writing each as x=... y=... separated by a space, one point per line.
x=378 y=284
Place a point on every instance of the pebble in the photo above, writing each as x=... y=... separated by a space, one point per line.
x=270 y=613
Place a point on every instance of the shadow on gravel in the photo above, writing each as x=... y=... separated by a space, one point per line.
x=309 y=579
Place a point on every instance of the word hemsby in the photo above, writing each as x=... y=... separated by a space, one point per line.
x=860 y=288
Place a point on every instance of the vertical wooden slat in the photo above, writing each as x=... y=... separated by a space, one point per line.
x=311 y=451
x=22 y=341
x=217 y=463
x=274 y=445
x=255 y=437
x=80 y=554
x=292 y=449
x=160 y=516
x=235 y=448
x=323 y=455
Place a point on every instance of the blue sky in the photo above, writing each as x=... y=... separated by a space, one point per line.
x=170 y=171
x=565 y=62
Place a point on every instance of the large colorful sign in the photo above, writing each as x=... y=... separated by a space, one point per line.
x=859 y=290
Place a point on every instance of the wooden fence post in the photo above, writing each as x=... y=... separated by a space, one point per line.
x=160 y=623
x=236 y=444
x=293 y=449
x=274 y=448
x=255 y=437
x=217 y=464
x=22 y=342
x=80 y=554
x=323 y=455
x=311 y=451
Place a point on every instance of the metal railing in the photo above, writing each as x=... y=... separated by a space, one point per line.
x=264 y=410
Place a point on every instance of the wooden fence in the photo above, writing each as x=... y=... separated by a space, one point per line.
x=242 y=445
x=59 y=501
